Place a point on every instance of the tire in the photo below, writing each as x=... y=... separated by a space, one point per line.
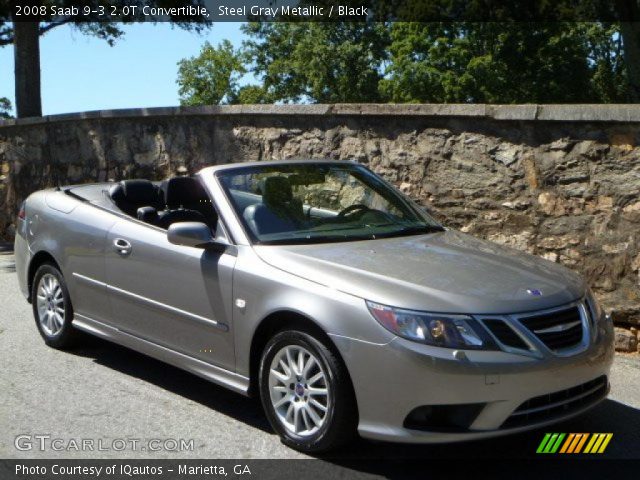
x=52 y=309
x=306 y=419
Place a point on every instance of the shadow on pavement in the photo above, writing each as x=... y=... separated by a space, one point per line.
x=7 y=262
x=608 y=417
x=173 y=379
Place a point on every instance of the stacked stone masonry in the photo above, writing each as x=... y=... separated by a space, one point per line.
x=562 y=182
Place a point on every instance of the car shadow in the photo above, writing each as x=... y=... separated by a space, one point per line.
x=7 y=262
x=175 y=380
x=364 y=455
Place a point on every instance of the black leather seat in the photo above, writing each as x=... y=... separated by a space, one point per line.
x=278 y=212
x=148 y=215
x=186 y=201
x=130 y=195
x=168 y=217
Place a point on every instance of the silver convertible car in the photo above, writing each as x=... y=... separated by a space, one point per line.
x=319 y=287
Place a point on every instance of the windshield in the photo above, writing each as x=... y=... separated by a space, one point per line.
x=315 y=202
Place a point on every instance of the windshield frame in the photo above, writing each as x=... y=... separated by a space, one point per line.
x=343 y=164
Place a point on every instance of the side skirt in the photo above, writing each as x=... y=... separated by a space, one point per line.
x=225 y=378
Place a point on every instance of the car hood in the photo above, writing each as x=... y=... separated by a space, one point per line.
x=441 y=272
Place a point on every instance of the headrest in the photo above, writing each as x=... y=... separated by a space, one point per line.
x=147 y=214
x=137 y=192
x=185 y=191
x=276 y=191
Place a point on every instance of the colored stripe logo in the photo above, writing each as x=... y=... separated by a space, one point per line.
x=574 y=443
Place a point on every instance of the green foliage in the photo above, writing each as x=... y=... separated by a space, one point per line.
x=250 y=94
x=211 y=77
x=504 y=63
x=318 y=62
x=5 y=108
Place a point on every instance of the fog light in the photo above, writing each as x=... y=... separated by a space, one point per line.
x=443 y=418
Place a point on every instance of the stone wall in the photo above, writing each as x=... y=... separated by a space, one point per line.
x=562 y=182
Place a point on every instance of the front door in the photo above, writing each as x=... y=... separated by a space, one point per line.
x=175 y=296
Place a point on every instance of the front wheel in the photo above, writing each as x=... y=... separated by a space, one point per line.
x=52 y=308
x=306 y=393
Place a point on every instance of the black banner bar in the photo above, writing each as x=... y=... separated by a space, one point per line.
x=207 y=11
x=316 y=469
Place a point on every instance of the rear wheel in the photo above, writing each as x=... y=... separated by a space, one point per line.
x=52 y=308
x=306 y=393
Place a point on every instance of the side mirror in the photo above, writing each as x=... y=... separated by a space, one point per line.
x=192 y=234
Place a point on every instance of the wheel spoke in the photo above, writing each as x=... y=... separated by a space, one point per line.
x=314 y=416
x=286 y=368
x=315 y=378
x=296 y=420
x=59 y=321
x=317 y=391
x=300 y=361
x=282 y=401
x=307 y=367
x=289 y=414
x=305 y=418
x=317 y=404
x=291 y=362
x=280 y=376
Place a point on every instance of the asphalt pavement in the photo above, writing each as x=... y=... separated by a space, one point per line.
x=108 y=395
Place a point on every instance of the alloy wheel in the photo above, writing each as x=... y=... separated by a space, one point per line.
x=50 y=303
x=299 y=390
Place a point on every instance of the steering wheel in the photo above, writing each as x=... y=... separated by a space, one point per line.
x=351 y=209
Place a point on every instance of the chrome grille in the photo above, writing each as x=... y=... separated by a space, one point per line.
x=558 y=330
x=504 y=333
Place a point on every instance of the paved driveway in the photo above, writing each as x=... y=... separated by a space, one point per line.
x=103 y=391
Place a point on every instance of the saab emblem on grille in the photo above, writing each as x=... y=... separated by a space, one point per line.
x=535 y=292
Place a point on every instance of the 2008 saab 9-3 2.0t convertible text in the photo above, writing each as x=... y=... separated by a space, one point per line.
x=321 y=288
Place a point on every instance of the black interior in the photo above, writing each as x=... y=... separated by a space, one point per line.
x=186 y=201
x=279 y=210
x=179 y=199
x=130 y=195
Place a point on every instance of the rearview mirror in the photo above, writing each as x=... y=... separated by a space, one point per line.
x=191 y=234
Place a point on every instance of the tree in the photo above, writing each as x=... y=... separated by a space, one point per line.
x=504 y=62
x=318 y=62
x=5 y=108
x=24 y=35
x=629 y=12
x=250 y=94
x=211 y=77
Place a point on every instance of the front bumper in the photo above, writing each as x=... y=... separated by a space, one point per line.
x=393 y=379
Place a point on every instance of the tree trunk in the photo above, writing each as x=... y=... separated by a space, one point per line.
x=631 y=43
x=27 y=69
x=629 y=14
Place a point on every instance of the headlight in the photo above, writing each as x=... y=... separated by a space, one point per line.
x=595 y=310
x=440 y=330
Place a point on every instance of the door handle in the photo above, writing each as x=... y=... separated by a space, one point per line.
x=122 y=246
